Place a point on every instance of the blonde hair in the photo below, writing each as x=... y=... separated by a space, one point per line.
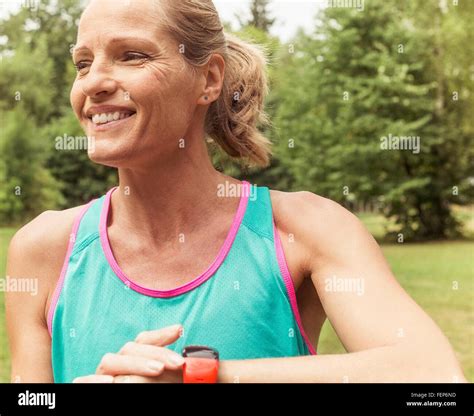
x=232 y=119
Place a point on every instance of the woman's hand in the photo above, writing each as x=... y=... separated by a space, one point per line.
x=145 y=360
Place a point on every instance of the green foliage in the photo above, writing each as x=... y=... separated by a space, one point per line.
x=361 y=77
x=80 y=179
x=27 y=186
x=52 y=24
x=26 y=77
x=35 y=80
x=400 y=68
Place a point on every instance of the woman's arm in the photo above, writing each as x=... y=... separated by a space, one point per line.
x=36 y=253
x=389 y=338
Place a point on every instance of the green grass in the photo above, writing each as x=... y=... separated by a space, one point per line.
x=426 y=271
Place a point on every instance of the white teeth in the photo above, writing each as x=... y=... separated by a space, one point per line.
x=104 y=118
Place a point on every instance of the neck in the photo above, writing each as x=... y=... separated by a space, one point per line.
x=174 y=197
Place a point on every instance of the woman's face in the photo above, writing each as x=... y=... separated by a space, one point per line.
x=133 y=92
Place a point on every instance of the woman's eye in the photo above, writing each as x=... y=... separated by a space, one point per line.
x=134 y=56
x=81 y=65
x=128 y=56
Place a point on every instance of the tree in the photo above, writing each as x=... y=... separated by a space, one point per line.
x=53 y=23
x=360 y=78
x=35 y=80
x=27 y=186
x=27 y=99
x=260 y=18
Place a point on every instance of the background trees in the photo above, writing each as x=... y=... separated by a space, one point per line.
x=364 y=75
x=400 y=68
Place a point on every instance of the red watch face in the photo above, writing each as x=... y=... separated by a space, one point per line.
x=201 y=364
x=200 y=351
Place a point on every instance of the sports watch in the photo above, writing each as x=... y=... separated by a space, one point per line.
x=201 y=364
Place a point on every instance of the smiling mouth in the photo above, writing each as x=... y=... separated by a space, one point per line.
x=105 y=118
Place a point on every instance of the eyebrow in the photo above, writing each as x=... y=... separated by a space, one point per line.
x=118 y=39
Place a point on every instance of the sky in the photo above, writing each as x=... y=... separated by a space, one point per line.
x=289 y=14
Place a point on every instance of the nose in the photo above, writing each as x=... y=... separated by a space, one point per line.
x=99 y=81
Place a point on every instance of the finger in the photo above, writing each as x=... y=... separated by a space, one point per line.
x=166 y=377
x=115 y=364
x=135 y=379
x=95 y=378
x=170 y=359
x=160 y=337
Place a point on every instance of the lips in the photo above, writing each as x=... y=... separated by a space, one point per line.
x=105 y=117
x=110 y=124
x=107 y=109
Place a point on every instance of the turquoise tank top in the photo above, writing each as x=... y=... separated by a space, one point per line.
x=244 y=304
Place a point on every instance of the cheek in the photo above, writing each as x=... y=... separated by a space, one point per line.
x=170 y=79
x=168 y=90
x=162 y=70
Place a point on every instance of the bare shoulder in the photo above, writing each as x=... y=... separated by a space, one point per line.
x=37 y=251
x=47 y=232
x=322 y=226
x=35 y=258
x=307 y=211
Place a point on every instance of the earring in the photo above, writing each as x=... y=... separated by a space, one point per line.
x=205 y=97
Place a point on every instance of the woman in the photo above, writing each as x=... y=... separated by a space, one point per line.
x=181 y=254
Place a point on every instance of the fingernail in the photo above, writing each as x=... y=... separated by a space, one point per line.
x=155 y=365
x=176 y=327
x=177 y=360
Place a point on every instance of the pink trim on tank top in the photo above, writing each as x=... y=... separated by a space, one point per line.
x=62 y=276
x=193 y=283
x=290 y=288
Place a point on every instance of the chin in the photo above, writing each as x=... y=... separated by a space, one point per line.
x=104 y=156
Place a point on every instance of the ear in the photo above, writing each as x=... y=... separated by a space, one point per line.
x=214 y=79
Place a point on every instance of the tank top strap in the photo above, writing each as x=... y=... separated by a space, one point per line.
x=258 y=216
x=88 y=228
